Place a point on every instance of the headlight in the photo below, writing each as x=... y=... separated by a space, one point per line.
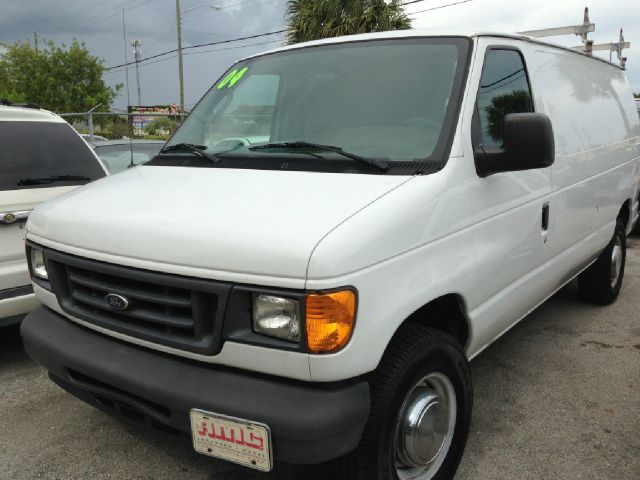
x=38 y=267
x=276 y=317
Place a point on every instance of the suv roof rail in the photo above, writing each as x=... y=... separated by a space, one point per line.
x=8 y=103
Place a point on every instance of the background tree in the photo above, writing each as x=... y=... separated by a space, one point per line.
x=315 y=19
x=56 y=78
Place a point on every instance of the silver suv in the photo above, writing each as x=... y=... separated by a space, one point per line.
x=41 y=157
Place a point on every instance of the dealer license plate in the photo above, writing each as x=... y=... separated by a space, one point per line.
x=232 y=439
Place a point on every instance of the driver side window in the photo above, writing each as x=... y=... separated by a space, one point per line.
x=504 y=88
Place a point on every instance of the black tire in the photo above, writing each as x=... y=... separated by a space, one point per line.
x=415 y=351
x=596 y=283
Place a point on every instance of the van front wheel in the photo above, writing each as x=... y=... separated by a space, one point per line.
x=602 y=281
x=421 y=402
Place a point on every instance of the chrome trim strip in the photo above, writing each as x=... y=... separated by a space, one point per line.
x=16 y=292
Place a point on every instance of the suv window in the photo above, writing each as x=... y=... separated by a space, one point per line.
x=504 y=88
x=39 y=150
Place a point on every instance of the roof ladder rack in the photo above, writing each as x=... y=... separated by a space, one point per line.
x=616 y=47
x=583 y=31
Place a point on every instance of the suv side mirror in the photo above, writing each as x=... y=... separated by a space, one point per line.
x=528 y=144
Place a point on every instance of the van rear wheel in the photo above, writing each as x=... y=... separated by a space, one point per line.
x=421 y=402
x=602 y=281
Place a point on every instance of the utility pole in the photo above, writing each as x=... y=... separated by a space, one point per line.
x=126 y=61
x=136 y=44
x=180 y=68
x=35 y=41
x=179 y=29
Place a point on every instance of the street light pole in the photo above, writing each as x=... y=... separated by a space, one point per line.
x=180 y=68
x=179 y=29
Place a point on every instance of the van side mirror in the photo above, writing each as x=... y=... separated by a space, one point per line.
x=528 y=144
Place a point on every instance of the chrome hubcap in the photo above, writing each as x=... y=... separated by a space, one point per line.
x=616 y=262
x=425 y=428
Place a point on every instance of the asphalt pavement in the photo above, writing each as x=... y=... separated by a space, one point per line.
x=557 y=397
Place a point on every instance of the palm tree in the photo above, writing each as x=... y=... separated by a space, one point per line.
x=516 y=101
x=315 y=19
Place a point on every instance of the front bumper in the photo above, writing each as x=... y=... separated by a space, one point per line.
x=310 y=422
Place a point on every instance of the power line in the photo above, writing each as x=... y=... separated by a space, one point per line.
x=198 y=46
x=522 y=75
x=233 y=48
x=169 y=52
x=225 y=9
x=197 y=53
x=171 y=24
x=502 y=79
x=99 y=4
x=200 y=32
x=142 y=33
x=100 y=15
x=162 y=37
x=441 y=6
x=98 y=18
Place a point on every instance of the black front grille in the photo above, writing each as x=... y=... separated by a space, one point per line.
x=179 y=312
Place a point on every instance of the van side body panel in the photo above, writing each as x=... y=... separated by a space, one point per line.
x=597 y=134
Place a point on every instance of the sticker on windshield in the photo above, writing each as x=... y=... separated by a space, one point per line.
x=234 y=77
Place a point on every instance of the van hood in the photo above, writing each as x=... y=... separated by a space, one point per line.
x=254 y=222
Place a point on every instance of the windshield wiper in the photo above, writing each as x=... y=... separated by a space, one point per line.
x=191 y=148
x=53 y=179
x=301 y=145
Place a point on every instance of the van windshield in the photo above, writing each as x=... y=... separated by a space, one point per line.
x=386 y=100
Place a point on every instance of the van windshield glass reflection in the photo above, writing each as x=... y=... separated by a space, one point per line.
x=385 y=100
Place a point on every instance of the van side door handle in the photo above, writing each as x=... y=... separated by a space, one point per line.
x=7 y=218
x=545 y=219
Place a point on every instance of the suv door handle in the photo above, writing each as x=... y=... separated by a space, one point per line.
x=7 y=218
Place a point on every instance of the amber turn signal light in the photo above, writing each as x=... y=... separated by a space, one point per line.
x=330 y=320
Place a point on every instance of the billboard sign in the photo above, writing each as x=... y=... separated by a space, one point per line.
x=139 y=116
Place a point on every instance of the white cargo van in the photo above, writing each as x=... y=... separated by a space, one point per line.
x=41 y=157
x=305 y=271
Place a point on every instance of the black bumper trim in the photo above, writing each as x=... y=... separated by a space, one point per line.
x=310 y=422
x=16 y=292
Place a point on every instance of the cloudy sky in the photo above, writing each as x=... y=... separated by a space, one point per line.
x=99 y=24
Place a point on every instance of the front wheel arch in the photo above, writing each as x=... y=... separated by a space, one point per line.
x=446 y=314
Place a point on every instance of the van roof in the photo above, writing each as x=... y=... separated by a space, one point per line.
x=27 y=114
x=412 y=33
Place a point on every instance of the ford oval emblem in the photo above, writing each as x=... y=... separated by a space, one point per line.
x=117 y=301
